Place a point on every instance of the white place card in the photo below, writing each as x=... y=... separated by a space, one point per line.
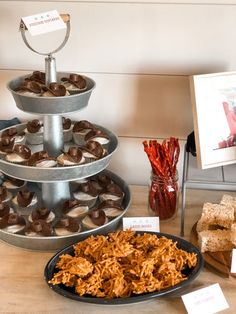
x=207 y=300
x=233 y=262
x=44 y=22
x=141 y=223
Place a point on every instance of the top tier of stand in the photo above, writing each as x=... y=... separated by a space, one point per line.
x=51 y=105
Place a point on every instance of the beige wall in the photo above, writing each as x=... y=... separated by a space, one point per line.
x=140 y=53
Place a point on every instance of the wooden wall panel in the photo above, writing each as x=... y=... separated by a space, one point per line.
x=130 y=105
x=146 y=38
x=179 y=2
x=132 y=164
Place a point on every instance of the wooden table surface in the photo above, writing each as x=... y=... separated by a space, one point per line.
x=23 y=289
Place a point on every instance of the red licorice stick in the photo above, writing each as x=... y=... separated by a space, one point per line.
x=167 y=157
x=171 y=148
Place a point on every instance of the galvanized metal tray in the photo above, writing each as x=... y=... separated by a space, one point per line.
x=54 y=243
x=51 y=105
x=55 y=174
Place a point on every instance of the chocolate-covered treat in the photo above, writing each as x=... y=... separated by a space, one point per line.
x=34 y=126
x=37 y=76
x=94 y=219
x=66 y=123
x=20 y=154
x=103 y=180
x=39 y=228
x=66 y=226
x=67 y=129
x=112 y=192
x=25 y=201
x=75 y=184
x=13 y=223
x=25 y=197
x=111 y=208
x=100 y=181
x=93 y=151
x=97 y=136
x=82 y=125
x=80 y=129
x=42 y=159
x=4 y=194
x=5 y=210
x=12 y=132
x=55 y=90
x=42 y=214
x=86 y=194
x=34 y=132
x=74 y=156
x=13 y=184
x=73 y=208
x=75 y=83
x=29 y=88
x=6 y=145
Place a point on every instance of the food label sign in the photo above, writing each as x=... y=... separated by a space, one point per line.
x=206 y=300
x=233 y=262
x=43 y=23
x=141 y=223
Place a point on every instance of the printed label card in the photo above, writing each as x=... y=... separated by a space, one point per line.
x=141 y=223
x=208 y=300
x=233 y=262
x=44 y=23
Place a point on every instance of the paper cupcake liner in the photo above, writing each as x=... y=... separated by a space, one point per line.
x=34 y=138
x=104 y=197
x=86 y=224
x=63 y=232
x=78 y=138
x=23 y=162
x=13 y=188
x=8 y=197
x=90 y=203
x=21 y=230
x=74 y=184
x=67 y=134
x=24 y=211
x=62 y=164
x=21 y=140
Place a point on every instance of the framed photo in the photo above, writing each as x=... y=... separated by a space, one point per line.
x=213 y=98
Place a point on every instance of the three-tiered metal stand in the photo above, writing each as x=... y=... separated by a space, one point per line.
x=55 y=181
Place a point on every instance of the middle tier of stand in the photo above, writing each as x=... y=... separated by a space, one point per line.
x=59 y=173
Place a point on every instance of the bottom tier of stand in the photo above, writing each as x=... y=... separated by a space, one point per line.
x=53 y=243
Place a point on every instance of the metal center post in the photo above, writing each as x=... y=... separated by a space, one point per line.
x=53 y=193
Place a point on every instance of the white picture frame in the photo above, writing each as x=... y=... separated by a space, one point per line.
x=213 y=98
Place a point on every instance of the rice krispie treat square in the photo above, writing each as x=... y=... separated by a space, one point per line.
x=215 y=216
x=215 y=240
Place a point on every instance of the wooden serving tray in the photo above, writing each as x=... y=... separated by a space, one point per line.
x=219 y=262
